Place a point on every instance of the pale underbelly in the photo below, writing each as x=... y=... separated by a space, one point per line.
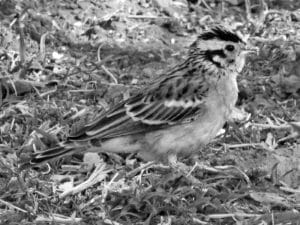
x=186 y=138
x=181 y=139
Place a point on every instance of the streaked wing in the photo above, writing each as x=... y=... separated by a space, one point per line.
x=168 y=102
x=161 y=112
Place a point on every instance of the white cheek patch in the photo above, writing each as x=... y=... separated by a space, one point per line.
x=218 y=59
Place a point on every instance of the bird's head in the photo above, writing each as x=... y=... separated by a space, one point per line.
x=222 y=49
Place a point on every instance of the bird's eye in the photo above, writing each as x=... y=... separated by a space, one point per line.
x=229 y=48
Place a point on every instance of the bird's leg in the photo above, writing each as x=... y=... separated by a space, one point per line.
x=182 y=168
x=176 y=165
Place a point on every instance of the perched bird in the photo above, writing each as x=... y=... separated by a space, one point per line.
x=177 y=113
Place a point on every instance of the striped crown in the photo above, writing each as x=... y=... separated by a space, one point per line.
x=220 y=33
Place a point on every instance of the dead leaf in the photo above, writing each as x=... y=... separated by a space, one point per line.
x=239 y=115
x=288 y=168
x=270 y=141
x=296 y=127
x=269 y=198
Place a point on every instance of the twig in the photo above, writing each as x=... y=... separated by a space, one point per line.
x=289 y=137
x=196 y=220
x=247 y=179
x=12 y=206
x=248 y=10
x=243 y=145
x=98 y=175
x=108 y=187
x=13 y=86
x=226 y=215
x=82 y=90
x=43 y=47
x=79 y=114
x=290 y=190
x=108 y=16
x=22 y=41
x=147 y=17
x=202 y=166
x=108 y=221
x=110 y=74
x=220 y=169
x=103 y=67
x=56 y=218
x=270 y=126
x=139 y=169
x=49 y=92
x=206 y=5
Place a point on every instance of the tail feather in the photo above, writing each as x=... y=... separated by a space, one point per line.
x=52 y=153
x=48 y=155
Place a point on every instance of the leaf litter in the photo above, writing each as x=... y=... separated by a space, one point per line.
x=63 y=63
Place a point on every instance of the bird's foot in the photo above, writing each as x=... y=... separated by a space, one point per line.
x=182 y=169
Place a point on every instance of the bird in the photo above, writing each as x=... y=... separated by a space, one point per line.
x=179 y=112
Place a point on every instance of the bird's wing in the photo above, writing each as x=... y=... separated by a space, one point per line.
x=172 y=100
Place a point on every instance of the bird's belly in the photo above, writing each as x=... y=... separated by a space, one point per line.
x=180 y=139
x=186 y=138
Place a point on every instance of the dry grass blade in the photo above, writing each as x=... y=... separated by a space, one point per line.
x=11 y=206
x=103 y=67
x=98 y=175
x=57 y=218
x=78 y=58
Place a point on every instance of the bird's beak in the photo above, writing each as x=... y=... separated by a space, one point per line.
x=250 y=50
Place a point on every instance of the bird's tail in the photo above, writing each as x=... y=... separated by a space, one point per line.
x=48 y=155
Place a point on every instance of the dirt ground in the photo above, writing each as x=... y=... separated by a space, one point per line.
x=64 y=62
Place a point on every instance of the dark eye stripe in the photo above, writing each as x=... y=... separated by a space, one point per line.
x=212 y=53
x=209 y=55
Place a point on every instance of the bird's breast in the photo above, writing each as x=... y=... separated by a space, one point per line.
x=228 y=92
x=185 y=138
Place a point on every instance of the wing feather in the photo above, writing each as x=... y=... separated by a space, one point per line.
x=110 y=126
x=145 y=111
x=161 y=114
x=171 y=101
